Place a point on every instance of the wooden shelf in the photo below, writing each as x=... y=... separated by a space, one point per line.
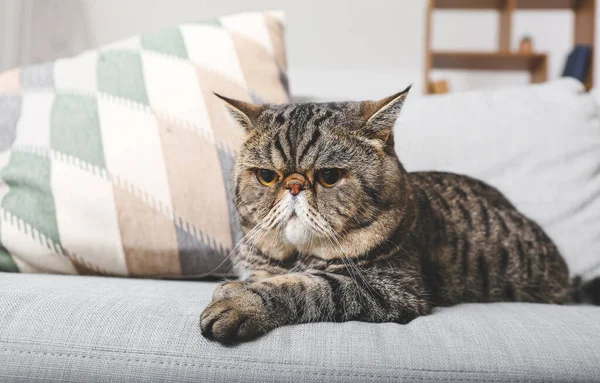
x=536 y=64
x=487 y=61
x=499 y=4
x=548 y=4
x=467 y=4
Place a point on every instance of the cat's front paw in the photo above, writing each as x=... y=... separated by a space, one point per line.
x=237 y=317
x=227 y=289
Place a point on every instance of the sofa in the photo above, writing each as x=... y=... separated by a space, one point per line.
x=540 y=145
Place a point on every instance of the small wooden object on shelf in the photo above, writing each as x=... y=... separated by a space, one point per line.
x=535 y=63
x=439 y=87
x=526 y=45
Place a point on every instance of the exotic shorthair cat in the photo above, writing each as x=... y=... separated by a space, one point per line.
x=337 y=230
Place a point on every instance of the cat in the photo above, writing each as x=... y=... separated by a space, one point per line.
x=337 y=230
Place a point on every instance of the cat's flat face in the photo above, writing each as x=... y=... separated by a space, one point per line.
x=312 y=178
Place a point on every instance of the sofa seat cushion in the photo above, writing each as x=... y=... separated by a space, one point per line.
x=96 y=329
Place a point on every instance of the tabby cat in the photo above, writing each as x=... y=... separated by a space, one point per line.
x=337 y=230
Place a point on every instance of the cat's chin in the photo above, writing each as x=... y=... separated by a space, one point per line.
x=299 y=236
x=296 y=233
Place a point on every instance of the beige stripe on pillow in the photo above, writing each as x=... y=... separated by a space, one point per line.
x=258 y=65
x=224 y=130
x=149 y=235
x=275 y=27
x=197 y=188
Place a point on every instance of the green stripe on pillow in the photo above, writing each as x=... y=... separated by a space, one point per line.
x=30 y=195
x=168 y=41
x=120 y=74
x=7 y=264
x=75 y=128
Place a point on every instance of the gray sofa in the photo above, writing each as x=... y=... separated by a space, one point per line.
x=94 y=329
x=540 y=145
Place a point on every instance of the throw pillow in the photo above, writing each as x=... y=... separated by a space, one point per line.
x=118 y=161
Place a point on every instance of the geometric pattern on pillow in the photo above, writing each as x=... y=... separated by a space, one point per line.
x=118 y=161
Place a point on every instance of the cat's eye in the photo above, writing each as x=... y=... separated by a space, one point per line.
x=266 y=177
x=329 y=177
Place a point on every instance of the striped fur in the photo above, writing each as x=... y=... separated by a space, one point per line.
x=382 y=244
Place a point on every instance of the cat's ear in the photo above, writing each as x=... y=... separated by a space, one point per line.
x=244 y=113
x=381 y=115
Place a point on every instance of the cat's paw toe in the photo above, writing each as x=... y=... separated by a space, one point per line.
x=227 y=289
x=234 y=319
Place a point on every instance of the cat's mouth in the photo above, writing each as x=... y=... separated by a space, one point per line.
x=297 y=229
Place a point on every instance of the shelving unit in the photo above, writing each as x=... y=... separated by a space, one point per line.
x=503 y=59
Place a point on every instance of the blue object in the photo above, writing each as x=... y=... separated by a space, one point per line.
x=578 y=63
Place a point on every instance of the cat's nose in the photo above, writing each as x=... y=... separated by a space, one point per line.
x=295 y=183
x=295 y=188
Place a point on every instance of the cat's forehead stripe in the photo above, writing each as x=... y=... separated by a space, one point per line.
x=301 y=135
x=316 y=134
x=295 y=130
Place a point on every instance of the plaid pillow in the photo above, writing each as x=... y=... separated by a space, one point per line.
x=118 y=161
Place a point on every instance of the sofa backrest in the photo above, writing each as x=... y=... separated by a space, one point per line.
x=540 y=145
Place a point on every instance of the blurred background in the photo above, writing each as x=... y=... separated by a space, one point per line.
x=341 y=49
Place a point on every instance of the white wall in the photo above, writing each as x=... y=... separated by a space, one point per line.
x=336 y=49
x=333 y=46
x=9 y=33
x=33 y=31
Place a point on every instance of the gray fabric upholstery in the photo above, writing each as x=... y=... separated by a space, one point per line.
x=91 y=329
